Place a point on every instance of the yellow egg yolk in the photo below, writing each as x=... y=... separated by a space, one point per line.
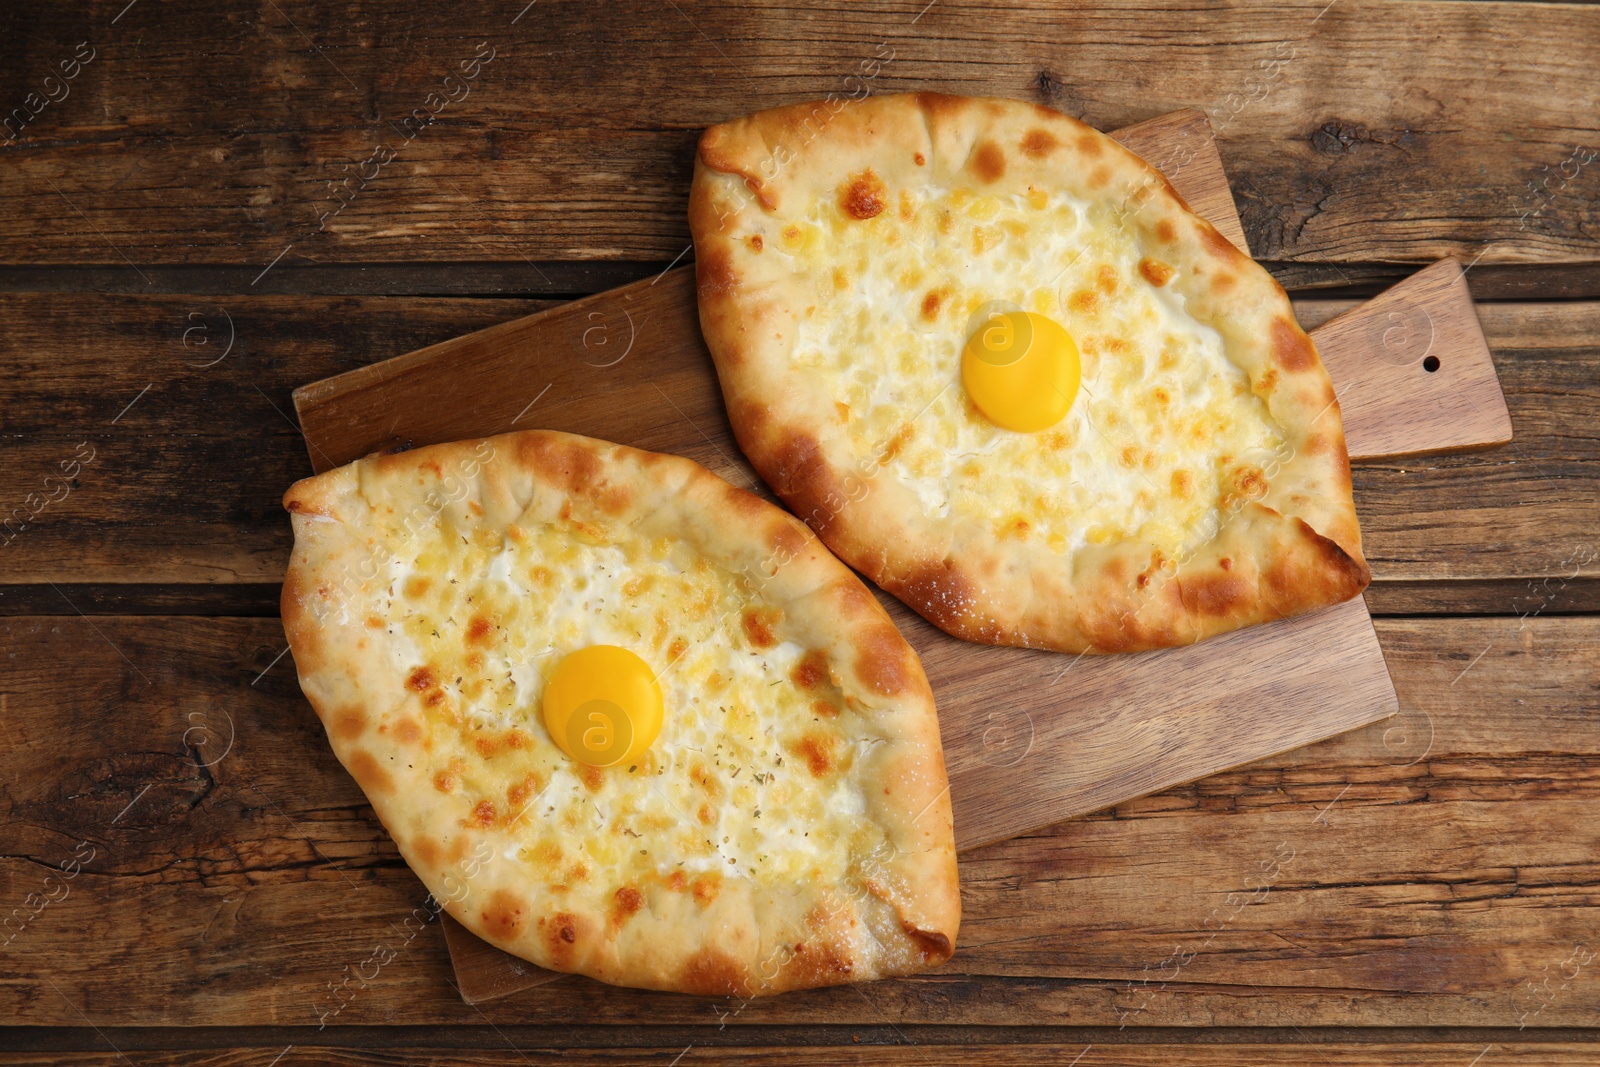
x=602 y=705
x=1021 y=369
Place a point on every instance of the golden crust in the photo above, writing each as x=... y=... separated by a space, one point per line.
x=712 y=934
x=1290 y=546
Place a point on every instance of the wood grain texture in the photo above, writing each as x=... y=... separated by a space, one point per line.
x=1036 y=737
x=1443 y=863
x=1550 y=595
x=908 y=1052
x=181 y=492
x=1412 y=368
x=576 y=141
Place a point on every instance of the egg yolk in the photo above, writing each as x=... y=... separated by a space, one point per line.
x=602 y=705
x=1021 y=369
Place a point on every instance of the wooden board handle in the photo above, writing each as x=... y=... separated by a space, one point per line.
x=1413 y=371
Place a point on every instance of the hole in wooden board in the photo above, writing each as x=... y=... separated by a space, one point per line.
x=1430 y=364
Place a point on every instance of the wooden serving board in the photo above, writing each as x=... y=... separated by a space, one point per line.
x=1030 y=737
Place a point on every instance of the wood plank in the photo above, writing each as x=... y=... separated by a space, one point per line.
x=562 y=150
x=1377 y=1053
x=1554 y=595
x=1434 y=384
x=1443 y=863
x=142 y=513
x=185 y=485
x=482 y=972
x=1559 y=595
x=500 y=1038
x=521 y=278
x=571 y=279
x=1035 y=737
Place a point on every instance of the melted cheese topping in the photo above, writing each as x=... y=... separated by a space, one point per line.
x=1164 y=428
x=750 y=776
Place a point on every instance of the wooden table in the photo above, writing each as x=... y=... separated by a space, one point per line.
x=208 y=205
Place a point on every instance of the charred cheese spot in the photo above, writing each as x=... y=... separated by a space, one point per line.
x=703 y=777
x=1253 y=482
x=482 y=814
x=518 y=795
x=862 y=197
x=1155 y=272
x=898 y=441
x=812 y=670
x=758 y=626
x=706 y=889
x=819 y=751
x=625 y=904
x=561 y=931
